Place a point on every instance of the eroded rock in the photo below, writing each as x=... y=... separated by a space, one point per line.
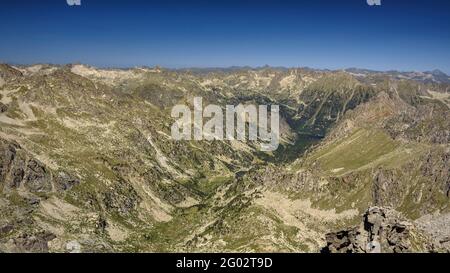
x=382 y=230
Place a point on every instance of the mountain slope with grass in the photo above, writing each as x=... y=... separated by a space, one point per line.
x=87 y=163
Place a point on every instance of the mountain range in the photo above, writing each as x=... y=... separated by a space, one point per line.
x=87 y=163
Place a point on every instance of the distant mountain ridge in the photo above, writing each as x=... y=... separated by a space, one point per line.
x=433 y=76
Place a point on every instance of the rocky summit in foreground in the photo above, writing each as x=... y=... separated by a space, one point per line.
x=87 y=163
x=382 y=230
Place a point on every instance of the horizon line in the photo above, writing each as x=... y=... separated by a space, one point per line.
x=174 y=68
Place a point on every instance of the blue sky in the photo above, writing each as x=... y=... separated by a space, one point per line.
x=399 y=34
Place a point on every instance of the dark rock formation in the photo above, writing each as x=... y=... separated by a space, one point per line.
x=345 y=241
x=3 y=108
x=122 y=198
x=33 y=243
x=38 y=177
x=382 y=230
x=65 y=182
x=17 y=168
x=5 y=229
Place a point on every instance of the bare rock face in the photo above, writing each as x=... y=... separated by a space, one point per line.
x=38 y=177
x=345 y=241
x=387 y=188
x=425 y=123
x=18 y=169
x=382 y=230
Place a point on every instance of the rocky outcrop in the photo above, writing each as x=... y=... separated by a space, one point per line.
x=327 y=100
x=387 y=189
x=424 y=123
x=8 y=72
x=437 y=168
x=65 y=181
x=438 y=226
x=417 y=188
x=26 y=243
x=382 y=230
x=4 y=229
x=18 y=168
x=122 y=198
x=3 y=108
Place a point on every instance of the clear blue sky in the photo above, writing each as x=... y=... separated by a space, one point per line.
x=399 y=34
